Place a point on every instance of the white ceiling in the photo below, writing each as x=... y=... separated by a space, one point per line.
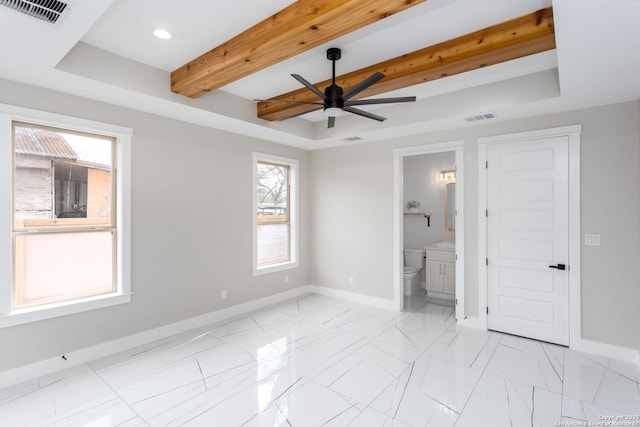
x=104 y=50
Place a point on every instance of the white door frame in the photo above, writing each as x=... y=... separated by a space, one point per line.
x=398 y=239
x=573 y=133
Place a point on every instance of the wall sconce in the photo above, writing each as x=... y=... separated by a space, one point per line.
x=448 y=175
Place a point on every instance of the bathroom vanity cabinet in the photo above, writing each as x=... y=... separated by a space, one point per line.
x=440 y=267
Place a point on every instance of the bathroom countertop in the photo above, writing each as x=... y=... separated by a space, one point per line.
x=442 y=245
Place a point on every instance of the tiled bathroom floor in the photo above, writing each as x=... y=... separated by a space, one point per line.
x=320 y=361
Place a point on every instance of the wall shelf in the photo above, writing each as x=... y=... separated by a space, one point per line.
x=420 y=214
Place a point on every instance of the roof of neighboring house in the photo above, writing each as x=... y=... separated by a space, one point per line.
x=40 y=142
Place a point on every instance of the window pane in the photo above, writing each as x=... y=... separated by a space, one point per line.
x=61 y=179
x=272 y=193
x=273 y=244
x=62 y=266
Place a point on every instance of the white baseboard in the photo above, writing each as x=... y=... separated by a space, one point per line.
x=472 y=322
x=441 y=295
x=387 y=304
x=624 y=354
x=55 y=364
x=607 y=350
x=75 y=358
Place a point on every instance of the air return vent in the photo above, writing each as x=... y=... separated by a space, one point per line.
x=45 y=10
x=480 y=117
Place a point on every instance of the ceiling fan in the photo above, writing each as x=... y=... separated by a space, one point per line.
x=336 y=101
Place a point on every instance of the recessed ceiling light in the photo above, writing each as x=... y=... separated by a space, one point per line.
x=161 y=33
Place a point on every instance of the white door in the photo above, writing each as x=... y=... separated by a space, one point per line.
x=527 y=238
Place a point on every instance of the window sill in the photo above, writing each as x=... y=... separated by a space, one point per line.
x=33 y=314
x=275 y=268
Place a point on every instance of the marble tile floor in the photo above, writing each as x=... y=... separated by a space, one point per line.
x=319 y=361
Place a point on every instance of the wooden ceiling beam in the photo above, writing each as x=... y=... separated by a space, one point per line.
x=295 y=29
x=527 y=35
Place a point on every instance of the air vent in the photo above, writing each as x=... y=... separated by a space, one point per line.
x=353 y=138
x=45 y=10
x=480 y=117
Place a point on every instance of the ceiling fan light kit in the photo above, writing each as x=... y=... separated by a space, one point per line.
x=335 y=101
x=334 y=112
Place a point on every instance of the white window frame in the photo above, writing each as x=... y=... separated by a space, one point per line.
x=293 y=212
x=122 y=135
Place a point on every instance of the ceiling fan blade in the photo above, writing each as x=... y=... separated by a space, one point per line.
x=365 y=114
x=288 y=102
x=331 y=122
x=308 y=85
x=380 y=101
x=376 y=77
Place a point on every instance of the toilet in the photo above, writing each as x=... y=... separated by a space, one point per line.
x=413 y=265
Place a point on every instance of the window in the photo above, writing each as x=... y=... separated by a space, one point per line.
x=69 y=249
x=275 y=213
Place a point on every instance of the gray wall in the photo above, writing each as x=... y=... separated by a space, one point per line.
x=352 y=212
x=192 y=238
x=421 y=182
x=191 y=228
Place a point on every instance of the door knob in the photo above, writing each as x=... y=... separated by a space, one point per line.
x=559 y=267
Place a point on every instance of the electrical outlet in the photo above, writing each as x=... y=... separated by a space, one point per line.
x=286 y=279
x=351 y=281
x=592 y=240
x=223 y=294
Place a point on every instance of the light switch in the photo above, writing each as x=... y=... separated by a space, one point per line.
x=592 y=240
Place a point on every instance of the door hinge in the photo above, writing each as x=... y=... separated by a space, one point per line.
x=487 y=310
x=486 y=213
x=486 y=261
x=486 y=164
x=456 y=301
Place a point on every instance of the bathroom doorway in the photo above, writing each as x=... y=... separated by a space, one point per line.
x=431 y=176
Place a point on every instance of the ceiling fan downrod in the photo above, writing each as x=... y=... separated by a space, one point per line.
x=333 y=93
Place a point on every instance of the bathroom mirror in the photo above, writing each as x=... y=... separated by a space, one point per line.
x=450 y=206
